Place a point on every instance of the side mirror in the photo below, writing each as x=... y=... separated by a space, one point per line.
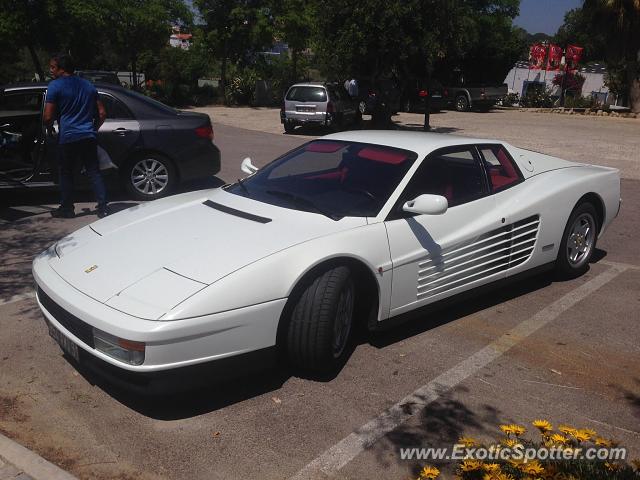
x=247 y=167
x=427 y=204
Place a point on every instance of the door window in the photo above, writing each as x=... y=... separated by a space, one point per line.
x=115 y=108
x=454 y=173
x=501 y=170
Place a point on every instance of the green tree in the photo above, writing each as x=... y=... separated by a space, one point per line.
x=139 y=26
x=577 y=30
x=234 y=29
x=29 y=24
x=293 y=21
x=376 y=38
x=619 y=23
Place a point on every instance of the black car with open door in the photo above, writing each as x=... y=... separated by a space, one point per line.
x=154 y=146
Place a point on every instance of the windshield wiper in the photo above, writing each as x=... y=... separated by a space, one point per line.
x=244 y=187
x=303 y=202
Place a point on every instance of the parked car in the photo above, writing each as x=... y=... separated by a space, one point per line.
x=463 y=96
x=323 y=104
x=99 y=76
x=353 y=228
x=415 y=92
x=381 y=94
x=154 y=146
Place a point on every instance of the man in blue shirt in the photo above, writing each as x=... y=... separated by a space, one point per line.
x=74 y=102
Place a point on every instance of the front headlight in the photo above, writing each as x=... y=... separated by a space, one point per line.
x=124 y=350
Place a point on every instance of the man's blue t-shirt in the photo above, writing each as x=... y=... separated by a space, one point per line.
x=75 y=100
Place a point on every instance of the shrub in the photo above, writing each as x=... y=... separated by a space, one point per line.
x=511 y=99
x=537 y=98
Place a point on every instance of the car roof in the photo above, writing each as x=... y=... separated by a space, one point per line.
x=36 y=85
x=309 y=84
x=420 y=142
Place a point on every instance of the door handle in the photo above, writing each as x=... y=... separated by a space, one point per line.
x=121 y=131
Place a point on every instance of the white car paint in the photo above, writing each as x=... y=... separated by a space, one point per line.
x=196 y=284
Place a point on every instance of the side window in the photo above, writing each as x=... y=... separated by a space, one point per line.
x=21 y=104
x=501 y=170
x=454 y=173
x=115 y=108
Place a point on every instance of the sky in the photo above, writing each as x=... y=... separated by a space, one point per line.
x=544 y=15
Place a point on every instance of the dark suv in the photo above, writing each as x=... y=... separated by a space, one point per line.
x=154 y=146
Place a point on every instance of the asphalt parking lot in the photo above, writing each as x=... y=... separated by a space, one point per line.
x=565 y=351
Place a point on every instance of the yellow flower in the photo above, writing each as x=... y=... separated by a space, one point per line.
x=589 y=431
x=512 y=428
x=510 y=442
x=602 y=442
x=532 y=468
x=581 y=436
x=612 y=467
x=497 y=476
x=567 y=430
x=491 y=467
x=470 y=465
x=557 y=438
x=468 y=441
x=542 y=425
x=429 y=472
x=636 y=464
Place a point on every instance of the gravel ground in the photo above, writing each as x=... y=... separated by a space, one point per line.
x=614 y=142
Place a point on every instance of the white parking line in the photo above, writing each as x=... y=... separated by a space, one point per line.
x=17 y=298
x=339 y=455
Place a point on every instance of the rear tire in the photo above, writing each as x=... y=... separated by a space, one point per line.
x=149 y=176
x=321 y=321
x=462 y=103
x=578 y=241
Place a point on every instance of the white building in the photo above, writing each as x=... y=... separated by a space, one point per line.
x=520 y=77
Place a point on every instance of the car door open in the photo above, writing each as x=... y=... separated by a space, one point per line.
x=21 y=135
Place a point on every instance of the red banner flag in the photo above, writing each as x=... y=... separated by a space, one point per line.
x=555 y=57
x=573 y=56
x=537 y=54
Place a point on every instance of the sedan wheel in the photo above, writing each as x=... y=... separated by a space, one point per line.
x=578 y=241
x=321 y=321
x=149 y=177
x=462 y=104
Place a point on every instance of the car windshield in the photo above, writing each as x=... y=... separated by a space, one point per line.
x=330 y=177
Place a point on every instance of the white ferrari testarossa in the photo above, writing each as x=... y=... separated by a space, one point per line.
x=353 y=227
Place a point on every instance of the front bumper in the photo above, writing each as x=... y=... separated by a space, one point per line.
x=169 y=344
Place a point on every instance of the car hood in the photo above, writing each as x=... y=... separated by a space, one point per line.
x=149 y=258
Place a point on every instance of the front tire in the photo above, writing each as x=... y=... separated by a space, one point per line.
x=149 y=176
x=321 y=321
x=289 y=127
x=578 y=241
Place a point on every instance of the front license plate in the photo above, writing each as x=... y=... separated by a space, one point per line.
x=67 y=345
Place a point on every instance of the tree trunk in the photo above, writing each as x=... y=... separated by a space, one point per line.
x=134 y=71
x=634 y=85
x=36 y=61
x=294 y=65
